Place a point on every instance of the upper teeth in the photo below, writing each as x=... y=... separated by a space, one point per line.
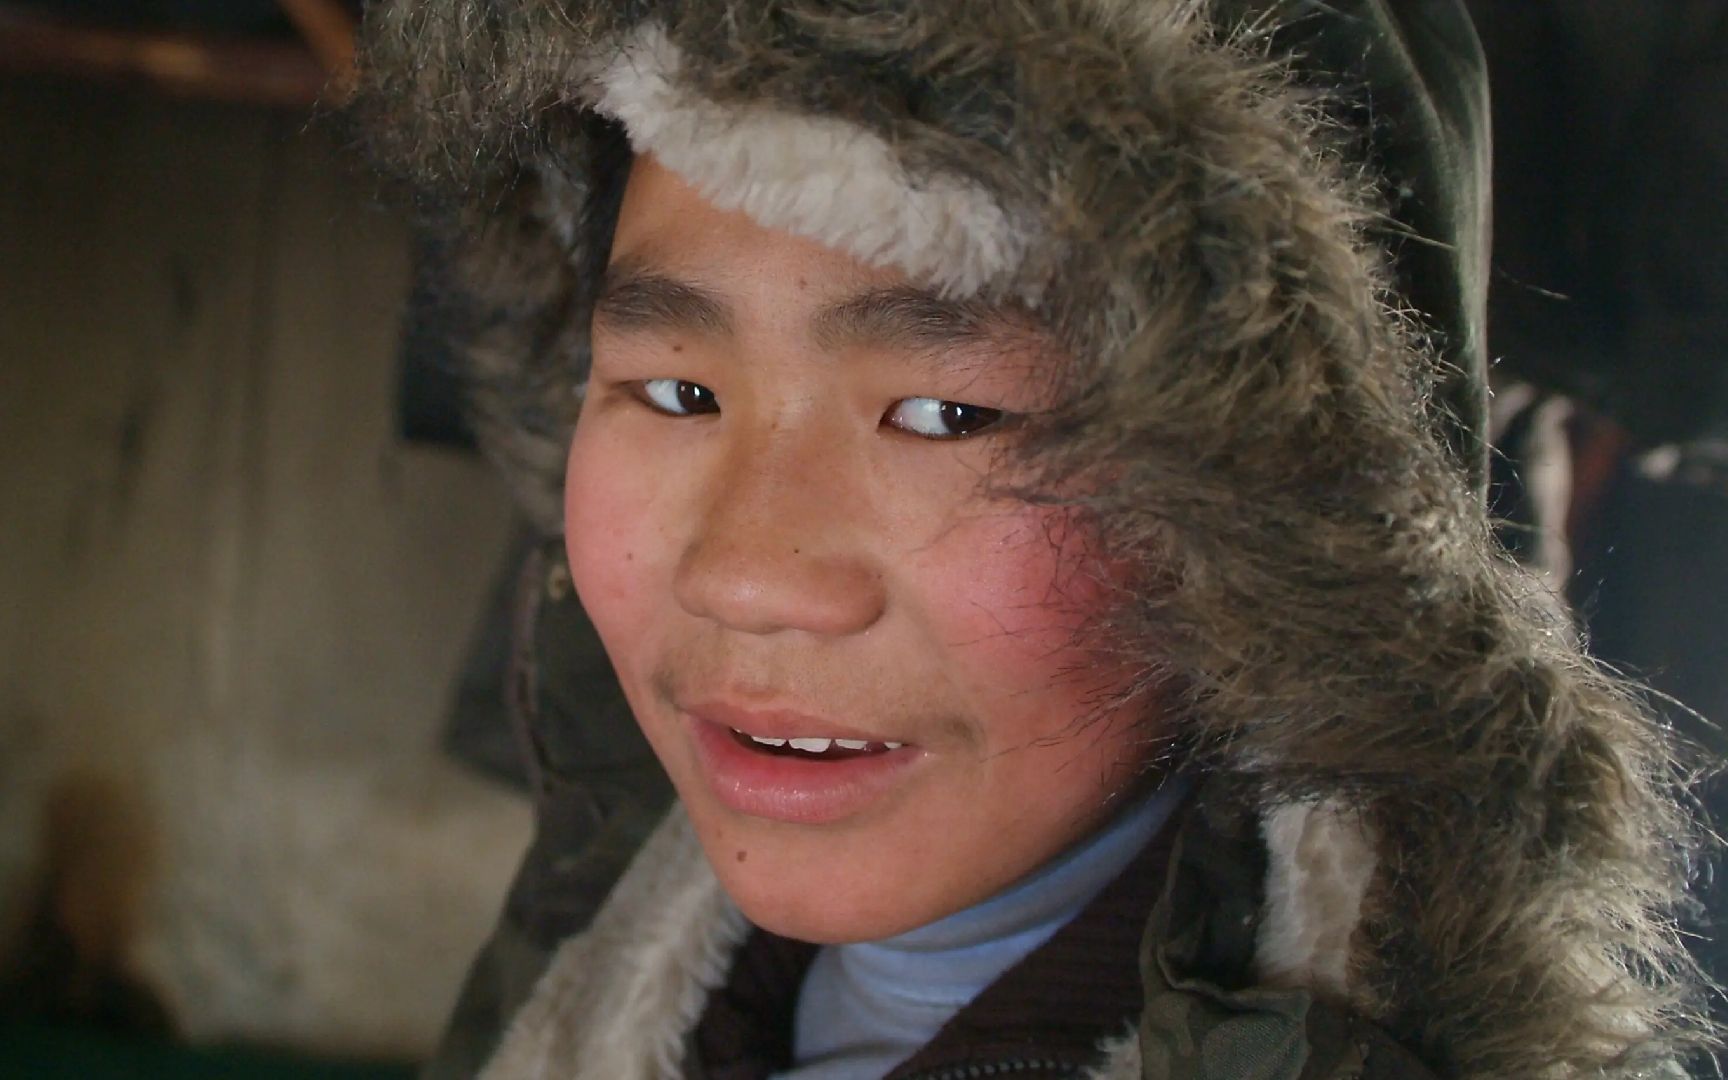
x=820 y=746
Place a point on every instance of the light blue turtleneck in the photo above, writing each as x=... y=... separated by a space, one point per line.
x=866 y=1007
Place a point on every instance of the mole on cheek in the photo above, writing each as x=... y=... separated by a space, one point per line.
x=742 y=855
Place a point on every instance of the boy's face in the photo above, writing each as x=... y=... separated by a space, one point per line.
x=776 y=535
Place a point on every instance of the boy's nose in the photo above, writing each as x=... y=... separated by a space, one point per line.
x=783 y=545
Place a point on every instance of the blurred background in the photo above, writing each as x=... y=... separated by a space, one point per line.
x=235 y=595
x=258 y=796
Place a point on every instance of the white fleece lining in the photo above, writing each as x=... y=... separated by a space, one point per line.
x=817 y=177
x=619 y=1000
x=1320 y=861
x=1121 y=1059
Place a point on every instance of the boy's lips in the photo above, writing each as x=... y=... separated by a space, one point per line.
x=793 y=787
x=783 y=724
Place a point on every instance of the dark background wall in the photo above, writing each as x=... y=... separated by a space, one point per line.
x=233 y=601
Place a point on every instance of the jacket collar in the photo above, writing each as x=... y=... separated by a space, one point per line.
x=1252 y=930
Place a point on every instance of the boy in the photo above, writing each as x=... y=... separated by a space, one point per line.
x=1014 y=505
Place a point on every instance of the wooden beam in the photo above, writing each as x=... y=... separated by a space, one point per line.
x=194 y=65
x=328 y=29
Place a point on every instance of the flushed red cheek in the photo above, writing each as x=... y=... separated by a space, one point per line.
x=1017 y=591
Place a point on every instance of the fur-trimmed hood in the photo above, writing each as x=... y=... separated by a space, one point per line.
x=1257 y=226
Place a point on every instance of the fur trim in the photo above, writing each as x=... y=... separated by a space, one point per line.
x=1320 y=862
x=1316 y=593
x=817 y=177
x=661 y=944
x=619 y=1000
x=1121 y=1060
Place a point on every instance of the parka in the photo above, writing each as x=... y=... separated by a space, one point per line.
x=1452 y=843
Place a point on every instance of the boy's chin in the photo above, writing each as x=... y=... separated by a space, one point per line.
x=828 y=898
x=816 y=914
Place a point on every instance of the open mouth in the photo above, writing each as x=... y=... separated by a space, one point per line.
x=812 y=749
x=797 y=778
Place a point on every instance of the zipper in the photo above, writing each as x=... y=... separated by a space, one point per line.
x=1010 y=1067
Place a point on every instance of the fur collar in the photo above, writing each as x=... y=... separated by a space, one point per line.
x=619 y=1001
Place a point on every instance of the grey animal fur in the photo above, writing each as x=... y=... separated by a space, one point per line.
x=1318 y=594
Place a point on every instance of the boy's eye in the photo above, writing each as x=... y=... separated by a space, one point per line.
x=679 y=397
x=931 y=418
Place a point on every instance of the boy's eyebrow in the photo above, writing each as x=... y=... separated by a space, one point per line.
x=904 y=317
x=635 y=297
